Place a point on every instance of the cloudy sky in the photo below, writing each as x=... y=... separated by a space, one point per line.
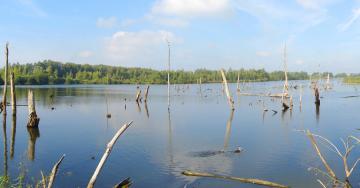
x=320 y=34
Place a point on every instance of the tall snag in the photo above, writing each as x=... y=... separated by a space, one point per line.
x=3 y=106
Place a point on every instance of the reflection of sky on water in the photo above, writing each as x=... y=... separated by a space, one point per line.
x=158 y=146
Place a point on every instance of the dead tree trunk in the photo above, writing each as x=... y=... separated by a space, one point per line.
x=33 y=121
x=54 y=171
x=238 y=83
x=317 y=96
x=137 y=99
x=3 y=106
x=230 y=100
x=146 y=93
x=106 y=154
x=13 y=94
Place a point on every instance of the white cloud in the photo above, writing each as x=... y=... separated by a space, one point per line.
x=85 y=54
x=106 y=22
x=138 y=47
x=263 y=53
x=354 y=17
x=188 y=8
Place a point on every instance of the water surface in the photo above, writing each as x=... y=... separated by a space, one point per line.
x=199 y=133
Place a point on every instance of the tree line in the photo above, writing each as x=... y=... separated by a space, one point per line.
x=53 y=72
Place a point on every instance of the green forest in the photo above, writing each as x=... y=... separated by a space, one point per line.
x=53 y=72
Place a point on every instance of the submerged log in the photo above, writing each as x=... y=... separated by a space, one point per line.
x=13 y=94
x=107 y=153
x=33 y=121
x=243 y=180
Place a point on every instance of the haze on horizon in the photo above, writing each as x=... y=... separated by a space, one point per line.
x=321 y=35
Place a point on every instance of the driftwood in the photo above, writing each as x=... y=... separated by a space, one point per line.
x=3 y=106
x=13 y=94
x=228 y=95
x=54 y=171
x=243 y=180
x=146 y=93
x=107 y=153
x=33 y=118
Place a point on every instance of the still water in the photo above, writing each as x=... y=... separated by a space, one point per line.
x=160 y=145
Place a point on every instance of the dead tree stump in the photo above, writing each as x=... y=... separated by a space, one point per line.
x=317 y=96
x=33 y=121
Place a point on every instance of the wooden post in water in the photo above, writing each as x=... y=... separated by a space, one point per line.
x=230 y=100
x=13 y=94
x=5 y=77
x=33 y=121
x=146 y=93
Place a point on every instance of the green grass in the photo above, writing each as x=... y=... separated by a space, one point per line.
x=352 y=80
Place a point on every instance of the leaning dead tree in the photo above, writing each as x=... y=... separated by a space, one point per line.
x=243 y=180
x=33 y=118
x=349 y=144
x=13 y=94
x=3 y=106
x=107 y=153
x=228 y=95
x=53 y=173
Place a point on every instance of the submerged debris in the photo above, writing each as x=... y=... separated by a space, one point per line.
x=210 y=153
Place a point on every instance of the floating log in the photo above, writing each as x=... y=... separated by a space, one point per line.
x=243 y=180
x=54 y=171
x=146 y=93
x=33 y=121
x=228 y=95
x=3 y=106
x=106 y=154
x=13 y=94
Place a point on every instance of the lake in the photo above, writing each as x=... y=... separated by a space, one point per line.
x=160 y=145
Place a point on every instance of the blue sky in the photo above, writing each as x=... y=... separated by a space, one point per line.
x=320 y=34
